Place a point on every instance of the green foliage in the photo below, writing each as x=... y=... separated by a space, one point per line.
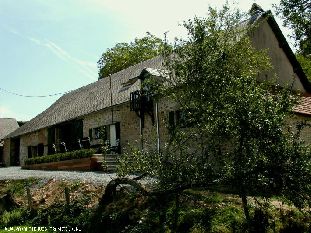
x=305 y=62
x=73 y=216
x=294 y=221
x=239 y=124
x=297 y=15
x=17 y=187
x=197 y=213
x=128 y=213
x=15 y=217
x=239 y=133
x=209 y=197
x=179 y=163
x=123 y=55
x=77 y=154
x=139 y=161
x=228 y=219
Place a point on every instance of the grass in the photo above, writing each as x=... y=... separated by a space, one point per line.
x=198 y=210
x=18 y=187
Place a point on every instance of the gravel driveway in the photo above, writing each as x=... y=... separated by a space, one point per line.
x=16 y=173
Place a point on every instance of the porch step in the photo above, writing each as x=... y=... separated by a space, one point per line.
x=108 y=163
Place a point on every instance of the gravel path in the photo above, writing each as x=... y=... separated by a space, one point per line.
x=16 y=173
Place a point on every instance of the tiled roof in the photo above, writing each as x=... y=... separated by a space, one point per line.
x=304 y=106
x=101 y=94
x=7 y=125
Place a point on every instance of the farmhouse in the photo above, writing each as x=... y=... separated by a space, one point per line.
x=116 y=111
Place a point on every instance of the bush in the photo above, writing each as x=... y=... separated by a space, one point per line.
x=15 y=217
x=73 y=216
x=78 y=154
x=295 y=221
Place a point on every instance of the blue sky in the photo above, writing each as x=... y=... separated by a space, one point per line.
x=52 y=46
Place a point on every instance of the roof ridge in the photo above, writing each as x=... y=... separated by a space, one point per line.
x=112 y=75
x=130 y=67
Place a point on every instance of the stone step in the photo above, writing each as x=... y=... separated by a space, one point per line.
x=108 y=162
x=109 y=168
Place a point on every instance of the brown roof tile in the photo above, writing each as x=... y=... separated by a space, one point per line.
x=304 y=106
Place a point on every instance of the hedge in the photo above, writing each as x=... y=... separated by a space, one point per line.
x=77 y=154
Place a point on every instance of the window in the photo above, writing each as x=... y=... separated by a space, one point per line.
x=98 y=133
x=32 y=151
x=29 y=152
x=110 y=134
x=40 y=149
x=178 y=119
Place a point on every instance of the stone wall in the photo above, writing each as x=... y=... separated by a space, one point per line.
x=129 y=122
x=306 y=131
x=32 y=139
x=130 y=129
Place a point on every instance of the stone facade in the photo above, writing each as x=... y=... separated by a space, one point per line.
x=33 y=140
x=130 y=129
x=305 y=133
x=154 y=134
x=129 y=123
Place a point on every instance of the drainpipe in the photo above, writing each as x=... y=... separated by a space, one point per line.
x=141 y=133
x=110 y=87
x=157 y=125
x=141 y=120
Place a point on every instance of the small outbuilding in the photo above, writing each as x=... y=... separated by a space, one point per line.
x=7 y=126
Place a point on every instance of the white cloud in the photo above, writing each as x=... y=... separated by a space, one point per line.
x=88 y=69
x=161 y=16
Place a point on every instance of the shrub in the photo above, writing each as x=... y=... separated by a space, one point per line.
x=295 y=221
x=78 y=154
x=15 y=217
x=72 y=216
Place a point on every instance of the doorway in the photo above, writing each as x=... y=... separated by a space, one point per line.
x=15 y=150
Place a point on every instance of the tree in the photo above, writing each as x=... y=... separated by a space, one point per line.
x=242 y=121
x=297 y=15
x=305 y=63
x=235 y=130
x=123 y=55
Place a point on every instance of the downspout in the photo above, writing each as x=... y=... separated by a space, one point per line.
x=158 y=126
x=141 y=121
x=141 y=134
x=110 y=87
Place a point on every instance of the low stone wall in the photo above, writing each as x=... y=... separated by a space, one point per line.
x=84 y=164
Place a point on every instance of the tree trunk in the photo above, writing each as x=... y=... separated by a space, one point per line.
x=176 y=213
x=245 y=206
